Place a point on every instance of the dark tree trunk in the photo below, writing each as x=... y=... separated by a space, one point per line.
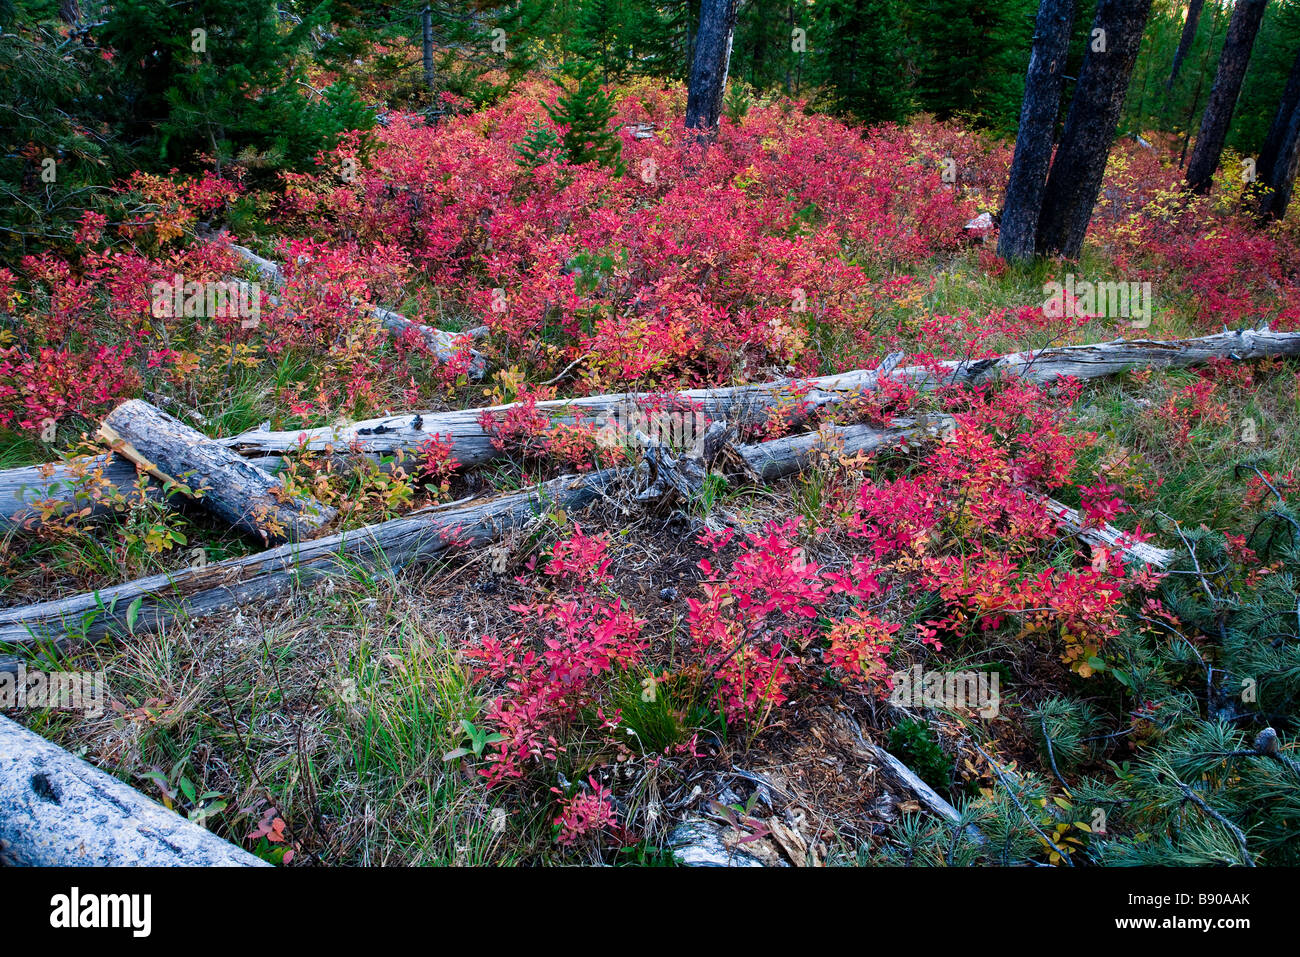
x=426 y=45
x=712 y=58
x=1090 y=127
x=1279 y=151
x=1274 y=203
x=1033 y=158
x=1185 y=41
x=1243 y=26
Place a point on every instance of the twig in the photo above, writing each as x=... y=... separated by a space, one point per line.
x=1237 y=834
x=1051 y=844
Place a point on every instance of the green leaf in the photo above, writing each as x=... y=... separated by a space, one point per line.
x=133 y=613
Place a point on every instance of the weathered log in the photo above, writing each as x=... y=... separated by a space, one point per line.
x=95 y=485
x=444 y=345
x=230 y=487
x=747 y=404
x=205 y=590
x=750 y=403
x=199 y=591
x=56 y=810
x=1109 y=537
x=89 y=483
x=781 y=457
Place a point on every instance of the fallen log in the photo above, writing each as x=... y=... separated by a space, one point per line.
x=778 y=458
x=150 y=603
x=1101 y=359
x=1108 y=537
x=230 y=487
x=88 y=484
x=56 y=810
x=445 y=345
x=395 y=543
x=748 y=404
x=94 y=486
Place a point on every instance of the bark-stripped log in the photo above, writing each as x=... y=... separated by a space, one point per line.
x=781 y=457
x=99 y=484
x=58 y=489
x=230 y=487
x=58 y=811
x=1108 y=536
x=396 y=543
x=748 y=404
x=445 y=345
x=196 y=592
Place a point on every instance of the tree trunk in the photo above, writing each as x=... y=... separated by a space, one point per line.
x=709 y=69
x=230 y=487
x=70 y=12
x=1094 y=113
x=426 y=46
x=1279 y=151
x=1275 y=202
x=1185 y=41
x=57 y=810
x=1018 y=231
x=1242 y=28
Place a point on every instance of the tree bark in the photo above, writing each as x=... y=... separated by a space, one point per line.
x=1090 y=126
x=1242 y=28
x=56 y=810
x=426 y=46
x=1275 y=202
x=1018 y=231
x=70 y=12
x=1185 y=41
x=230 y=487
x=1278 y=154
x=712 y=59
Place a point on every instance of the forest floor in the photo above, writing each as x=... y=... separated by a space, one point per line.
x=728 y=662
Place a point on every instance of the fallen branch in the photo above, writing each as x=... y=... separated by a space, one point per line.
x=150 y=603
x=56 y=810
x=445 y=345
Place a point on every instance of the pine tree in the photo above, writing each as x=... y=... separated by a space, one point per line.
x=969 y=58
x=583 y=112
x=220 y=77
x=858 y=54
